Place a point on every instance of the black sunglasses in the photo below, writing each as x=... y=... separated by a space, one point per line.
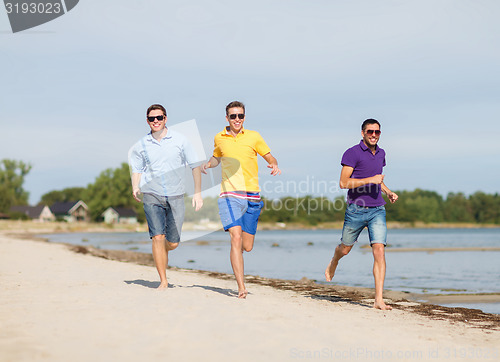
x=159 y=118
x=239 y=115
x=371 y=131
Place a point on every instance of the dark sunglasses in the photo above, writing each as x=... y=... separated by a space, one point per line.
x=240 y=116
x=159 y=118
x=369 y=132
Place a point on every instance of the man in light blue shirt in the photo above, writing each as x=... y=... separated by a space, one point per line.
x=158 y=164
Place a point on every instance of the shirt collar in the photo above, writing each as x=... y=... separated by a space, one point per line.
x=225 y=132
x=365 y=147
x=151 y=138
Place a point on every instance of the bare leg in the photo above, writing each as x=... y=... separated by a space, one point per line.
x=247 y=245
x=161 y=247
x=160 y=255
x=340 y=251
x=379 y=266
x=236 y=256
x=248 y=240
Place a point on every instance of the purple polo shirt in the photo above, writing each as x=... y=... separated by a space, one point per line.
x=365 y=164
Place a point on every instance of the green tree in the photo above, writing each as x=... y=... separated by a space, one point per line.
x=457 y=208
x=485 y=208
x=417 y=205
x=68 y=194
x=308 y=210
x=112 y=188
x=12 y=175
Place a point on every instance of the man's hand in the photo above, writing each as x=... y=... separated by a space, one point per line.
x=393 y=197
x=135 y=194
x=377 y=179
x=204 y=167
x=212 y=162
x=274 y=169
x=197 y=201
x=272 y=163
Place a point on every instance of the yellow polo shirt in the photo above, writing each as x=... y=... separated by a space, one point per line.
x=240 y=171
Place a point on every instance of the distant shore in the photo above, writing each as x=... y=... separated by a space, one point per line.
x=57 y=227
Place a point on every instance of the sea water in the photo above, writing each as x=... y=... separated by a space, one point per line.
x=294 y=254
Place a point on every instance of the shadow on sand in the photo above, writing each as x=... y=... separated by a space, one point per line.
x=147 y=283
x=154 y=285
x=226 y=292
x=335 y=299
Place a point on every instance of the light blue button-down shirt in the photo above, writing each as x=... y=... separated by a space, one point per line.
x=163 y=163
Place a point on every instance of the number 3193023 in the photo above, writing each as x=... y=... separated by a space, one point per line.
x=34 y=8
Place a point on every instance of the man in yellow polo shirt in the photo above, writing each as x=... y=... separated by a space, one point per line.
x=239 y=202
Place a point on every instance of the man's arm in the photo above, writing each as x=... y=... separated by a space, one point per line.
x=393 y=197
x=136 y=180
x=347 y=182
x=272 y=164
x=213 y=162
x=197 y=199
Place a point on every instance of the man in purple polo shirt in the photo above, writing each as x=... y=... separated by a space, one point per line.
x=362 y=175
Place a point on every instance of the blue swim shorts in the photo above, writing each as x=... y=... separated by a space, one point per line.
x=234 y=211
x=359 y=217
x=165 y=215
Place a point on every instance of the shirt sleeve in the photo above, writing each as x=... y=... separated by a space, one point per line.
x=261 y=146
x=217 y=152
x=136 y=160
x=349 y=158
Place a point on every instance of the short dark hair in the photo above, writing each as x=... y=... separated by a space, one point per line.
x=235 y=104
x=154 y=107
x=369 y=121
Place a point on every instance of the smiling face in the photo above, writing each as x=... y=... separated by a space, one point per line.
x=157 y=125
x=233 y=117
x=371 y=135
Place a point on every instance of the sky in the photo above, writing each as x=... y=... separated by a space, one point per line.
x=74 y=91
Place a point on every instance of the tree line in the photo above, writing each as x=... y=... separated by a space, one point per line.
x=112 y=188
x=429 y=206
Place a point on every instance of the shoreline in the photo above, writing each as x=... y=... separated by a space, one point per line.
x=423 y=304
x=35 y=227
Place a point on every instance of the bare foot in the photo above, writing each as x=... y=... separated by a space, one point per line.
x=242 y=294
x=330 y=270
x=162 y=286
x=381 y=305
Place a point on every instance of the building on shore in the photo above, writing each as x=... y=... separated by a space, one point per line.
x=41 y=213
x=119 y=215
x=71 y=211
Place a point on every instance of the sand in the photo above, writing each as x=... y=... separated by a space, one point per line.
x=58 y=305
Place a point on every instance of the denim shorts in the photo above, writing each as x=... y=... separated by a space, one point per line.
x=240 y=212
x=359 y=217
x=165 y=215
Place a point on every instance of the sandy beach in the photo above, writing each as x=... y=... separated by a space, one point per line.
x=61 y=303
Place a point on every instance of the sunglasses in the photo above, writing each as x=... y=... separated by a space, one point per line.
x=159 y=118
x=233 y=116
x=369 y=132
